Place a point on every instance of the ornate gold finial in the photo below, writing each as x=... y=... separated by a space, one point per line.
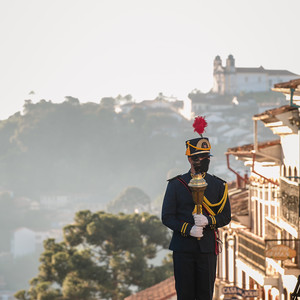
x=198 y=186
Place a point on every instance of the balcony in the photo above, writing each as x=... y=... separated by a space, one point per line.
x=289 y=201
x=252 y=250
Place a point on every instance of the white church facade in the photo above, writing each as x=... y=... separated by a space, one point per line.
x=232 y=80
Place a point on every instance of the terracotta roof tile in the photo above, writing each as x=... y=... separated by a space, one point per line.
x=290 y=84
x=162 y=291
x=250 y=147
x=271 y=113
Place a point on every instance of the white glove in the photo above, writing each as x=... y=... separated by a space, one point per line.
x=196 y=231
x=200 y=220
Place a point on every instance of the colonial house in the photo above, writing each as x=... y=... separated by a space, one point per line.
x=232 y=80
x=263 y=253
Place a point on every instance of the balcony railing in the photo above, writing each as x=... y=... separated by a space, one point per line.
x=252 y=249
x=289 y=201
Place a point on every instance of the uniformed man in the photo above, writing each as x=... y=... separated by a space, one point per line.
x=195 y=242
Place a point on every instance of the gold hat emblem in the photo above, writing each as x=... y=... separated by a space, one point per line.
x=203 y=144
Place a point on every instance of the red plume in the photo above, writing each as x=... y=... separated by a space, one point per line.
x=199 y=124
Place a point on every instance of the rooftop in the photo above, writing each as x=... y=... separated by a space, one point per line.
x=285 y=87
x=266 y=71
x=245 y=152
x=282 y=120
x=164 y=290
x=290 y=84
x=270 y=115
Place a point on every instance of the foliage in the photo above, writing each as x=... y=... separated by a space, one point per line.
x=103 y=256
x=73 y=147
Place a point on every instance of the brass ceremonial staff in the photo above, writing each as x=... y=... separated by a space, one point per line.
x=198 y=186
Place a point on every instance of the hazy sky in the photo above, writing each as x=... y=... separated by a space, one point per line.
x=91 y=49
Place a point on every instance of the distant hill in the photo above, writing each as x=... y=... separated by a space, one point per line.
x=71 y=148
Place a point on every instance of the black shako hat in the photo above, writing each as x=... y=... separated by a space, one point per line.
x=198 y=145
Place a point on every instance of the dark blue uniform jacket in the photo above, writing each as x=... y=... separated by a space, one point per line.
x=177 y=212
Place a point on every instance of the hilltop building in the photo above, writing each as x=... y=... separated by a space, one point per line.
x=232 y=80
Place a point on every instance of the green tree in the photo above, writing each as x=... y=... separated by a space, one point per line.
x=103 y=256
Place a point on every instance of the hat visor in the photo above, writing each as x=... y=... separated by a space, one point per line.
x=205 y=153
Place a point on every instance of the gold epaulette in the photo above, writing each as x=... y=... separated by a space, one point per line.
x=222 y=202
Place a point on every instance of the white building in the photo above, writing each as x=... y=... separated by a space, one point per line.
x=232 y=80
x=26 y=241
x=248 y=260
x=23 y=242
x=54 y=202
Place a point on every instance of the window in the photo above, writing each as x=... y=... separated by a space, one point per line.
x=243 y=280
x=273 y=211
x=256 y=216
x=284 y=171
x=261 y=223
x=234 y=259
x=226 y=259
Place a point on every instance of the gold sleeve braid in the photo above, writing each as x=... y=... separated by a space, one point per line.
x=183 y=228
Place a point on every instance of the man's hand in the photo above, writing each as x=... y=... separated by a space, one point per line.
x=196 y=231
x=200 y=220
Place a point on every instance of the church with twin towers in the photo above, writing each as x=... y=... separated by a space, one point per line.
x=232 y=80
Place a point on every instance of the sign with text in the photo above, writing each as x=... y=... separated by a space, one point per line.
x=238 y=291
x=281 y=252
